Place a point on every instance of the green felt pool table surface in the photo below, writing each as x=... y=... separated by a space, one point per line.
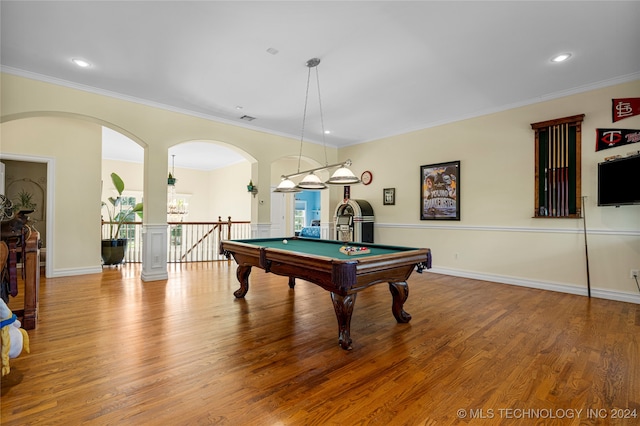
x=326 y=248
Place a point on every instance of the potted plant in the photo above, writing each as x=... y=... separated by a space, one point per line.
x=113 y=248
x=171 y=180
x=24 y=201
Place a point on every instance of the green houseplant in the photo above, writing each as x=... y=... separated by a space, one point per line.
x=113 y=248
x=24 y=201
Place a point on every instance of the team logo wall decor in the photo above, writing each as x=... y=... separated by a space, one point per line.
x=624 y=108
x=610 y=138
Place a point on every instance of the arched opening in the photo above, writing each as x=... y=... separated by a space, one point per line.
x=207 y=199
x=70 y=146
x=206 y=184
x=211 y=177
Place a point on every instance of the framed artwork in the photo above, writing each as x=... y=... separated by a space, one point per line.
x=440 y=191
x=389 y=196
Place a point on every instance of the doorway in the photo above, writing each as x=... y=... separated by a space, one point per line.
x=26 y=184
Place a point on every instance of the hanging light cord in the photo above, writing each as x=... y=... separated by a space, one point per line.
x=313 y=63
x=342 y=178
x=304 y=113
x=324 y=144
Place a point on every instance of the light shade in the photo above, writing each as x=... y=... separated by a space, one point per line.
x=311 y=181
x=561 y=58
x=286 y=185
x=343 y=176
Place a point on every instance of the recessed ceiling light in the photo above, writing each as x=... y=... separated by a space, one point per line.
x=326 y=132
x=80 y=62
x=561 y=58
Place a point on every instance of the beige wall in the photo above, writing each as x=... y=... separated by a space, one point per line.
x=36 y=115
x=497 y=238
x=228 y=194
x=155 y=130
x=73 y=149
x=221 y=192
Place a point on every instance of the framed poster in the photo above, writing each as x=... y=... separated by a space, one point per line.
x=389 y=196
x=440 y=191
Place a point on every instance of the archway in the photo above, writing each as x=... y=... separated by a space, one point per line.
x=70 y=145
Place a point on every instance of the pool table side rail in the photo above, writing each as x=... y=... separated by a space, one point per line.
x=256 y=241
x=319 y=270
x=343 y=276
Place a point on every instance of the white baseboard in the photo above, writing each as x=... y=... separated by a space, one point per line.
x=57 y=273
x=542 y=285
x=154 y=276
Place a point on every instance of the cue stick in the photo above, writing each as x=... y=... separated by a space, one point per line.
x=586 y=249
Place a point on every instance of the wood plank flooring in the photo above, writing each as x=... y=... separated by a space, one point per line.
x=112 y=350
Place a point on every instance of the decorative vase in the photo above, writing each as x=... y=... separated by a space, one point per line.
x=113 y=251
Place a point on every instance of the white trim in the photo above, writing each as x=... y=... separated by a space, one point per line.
x=154 y=252
x=629 y=233
x=542 y=285
x=551 y=96
x=261 y=230
x=560 y=94
x=68 y=272
x=51 y=185
x=102 y=92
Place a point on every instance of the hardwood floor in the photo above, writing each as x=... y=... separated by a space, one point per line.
x=112 y=350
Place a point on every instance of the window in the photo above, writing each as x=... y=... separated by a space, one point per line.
x=300 y=215
x=128 y=231
x=175 y=233
x=558 y=167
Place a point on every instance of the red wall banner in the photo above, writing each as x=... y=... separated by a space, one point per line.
x=624 y=108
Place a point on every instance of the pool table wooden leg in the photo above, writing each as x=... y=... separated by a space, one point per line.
x=400 y=292
x=343 y=305
x=242 y=273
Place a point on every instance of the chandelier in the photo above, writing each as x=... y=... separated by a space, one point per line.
x=342 y=176
x=177 y=208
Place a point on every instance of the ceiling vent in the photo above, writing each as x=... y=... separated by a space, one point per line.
x=247 y=118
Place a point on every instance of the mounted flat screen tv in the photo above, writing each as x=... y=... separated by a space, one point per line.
x=619 y=181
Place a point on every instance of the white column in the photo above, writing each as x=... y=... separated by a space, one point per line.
x=261 y=230
x=154 y=252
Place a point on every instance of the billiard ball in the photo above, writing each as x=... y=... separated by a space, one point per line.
x=284 y=241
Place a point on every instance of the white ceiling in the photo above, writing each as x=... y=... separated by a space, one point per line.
x=387 y=67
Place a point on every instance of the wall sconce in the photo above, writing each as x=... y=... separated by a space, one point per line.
x=252 y=189
x=171 y=180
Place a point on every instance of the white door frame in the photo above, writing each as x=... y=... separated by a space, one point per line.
x=51 y=167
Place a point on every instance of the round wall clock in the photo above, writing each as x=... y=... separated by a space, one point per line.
x=366 y=177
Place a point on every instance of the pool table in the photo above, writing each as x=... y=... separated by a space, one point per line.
x=321 y=262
